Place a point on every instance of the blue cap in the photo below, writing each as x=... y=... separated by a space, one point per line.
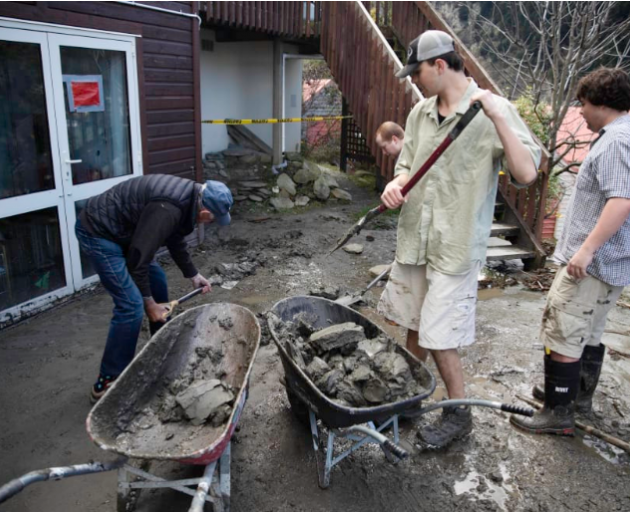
x=217 y=198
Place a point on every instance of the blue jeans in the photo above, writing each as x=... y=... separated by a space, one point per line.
x=109 y=261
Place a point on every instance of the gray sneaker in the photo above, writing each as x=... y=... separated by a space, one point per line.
x=454 y=423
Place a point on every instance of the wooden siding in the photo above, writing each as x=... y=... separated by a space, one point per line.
x=168 y=71
x=285 y=19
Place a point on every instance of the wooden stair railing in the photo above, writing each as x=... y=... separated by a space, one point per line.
x=364 y=66
x=286 y=19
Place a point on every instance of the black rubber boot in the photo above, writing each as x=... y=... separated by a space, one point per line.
x=562 y=381
x=592 y=361
x=454 y=423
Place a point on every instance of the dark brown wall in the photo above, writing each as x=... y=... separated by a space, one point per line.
x=168 y=71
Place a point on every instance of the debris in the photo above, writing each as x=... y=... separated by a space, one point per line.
x=329 y=292
x=202 y=399
x=345 y=365
x=337 y=337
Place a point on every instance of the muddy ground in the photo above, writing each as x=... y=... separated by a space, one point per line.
x=48 y=364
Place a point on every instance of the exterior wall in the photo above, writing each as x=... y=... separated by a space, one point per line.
x=292 y=103
x=237 y=82
x=166 y=57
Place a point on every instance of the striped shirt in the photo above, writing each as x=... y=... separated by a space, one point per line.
x=604 y=174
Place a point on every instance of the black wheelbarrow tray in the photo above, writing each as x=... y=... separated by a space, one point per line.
x=309 y=404
x=232 y=329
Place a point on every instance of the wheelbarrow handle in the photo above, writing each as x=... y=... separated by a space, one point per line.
x=396 y=450
x=15 y=486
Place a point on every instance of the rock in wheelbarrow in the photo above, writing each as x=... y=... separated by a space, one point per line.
x=205 y=399
x=392 y=366
x=341 y=336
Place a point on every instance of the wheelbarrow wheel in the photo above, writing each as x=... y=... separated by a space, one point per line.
x=299 y=408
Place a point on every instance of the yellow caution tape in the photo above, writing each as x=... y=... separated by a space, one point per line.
x=275 y=121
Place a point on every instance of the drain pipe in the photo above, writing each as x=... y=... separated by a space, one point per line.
x=159 y=9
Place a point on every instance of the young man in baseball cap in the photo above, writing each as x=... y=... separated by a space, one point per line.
x=446 y=218
x=120 y=231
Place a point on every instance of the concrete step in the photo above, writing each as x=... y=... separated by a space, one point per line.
x=499 y=228
x=511 y=252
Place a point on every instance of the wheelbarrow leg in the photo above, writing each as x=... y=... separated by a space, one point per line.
x=224 y=477
x=122 y=495
x=323 y=473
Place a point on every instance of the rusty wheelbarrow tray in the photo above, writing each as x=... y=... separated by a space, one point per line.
x=229 y=327
x=309 y=404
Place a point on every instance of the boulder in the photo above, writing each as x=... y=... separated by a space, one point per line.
x=341 y=194
x=255 y=198
x=286 y=183
x=308 y=173
x=281 y=203
x=329 y=179
x=321 y=189
x=301 y=201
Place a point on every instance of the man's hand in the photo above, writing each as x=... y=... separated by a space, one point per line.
x=490 y=107
x=392 y=195
x=201 y=282
x=580 y=261
x=156 y=312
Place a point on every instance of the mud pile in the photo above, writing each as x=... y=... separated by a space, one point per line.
x=347 y=366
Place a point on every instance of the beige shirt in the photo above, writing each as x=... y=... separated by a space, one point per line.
x=447 y=218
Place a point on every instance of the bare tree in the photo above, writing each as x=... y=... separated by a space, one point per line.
x=544 y=48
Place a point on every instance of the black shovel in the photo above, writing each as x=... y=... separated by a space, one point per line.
x=454 y=133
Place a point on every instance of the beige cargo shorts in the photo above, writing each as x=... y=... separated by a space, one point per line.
x=441 y=307
x=575 y=314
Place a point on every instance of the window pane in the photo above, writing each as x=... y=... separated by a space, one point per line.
x=31 y=258
x=97 y=113
x=25 y=158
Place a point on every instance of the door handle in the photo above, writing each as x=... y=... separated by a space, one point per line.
x=74 y=161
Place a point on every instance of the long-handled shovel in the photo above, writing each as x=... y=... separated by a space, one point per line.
x=454 y=133
x=174 y=303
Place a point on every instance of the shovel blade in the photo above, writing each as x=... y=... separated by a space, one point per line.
x=348 y=300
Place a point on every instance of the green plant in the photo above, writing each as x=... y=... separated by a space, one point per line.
x=537 y=115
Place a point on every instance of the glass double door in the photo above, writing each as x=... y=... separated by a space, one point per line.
x=68 y=130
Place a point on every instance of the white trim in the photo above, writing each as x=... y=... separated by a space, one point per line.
x=389 y=50
x=64 y=29
x=161 y=9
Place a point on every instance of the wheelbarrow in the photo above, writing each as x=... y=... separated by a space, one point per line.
x=122 y=421
x=357 y=424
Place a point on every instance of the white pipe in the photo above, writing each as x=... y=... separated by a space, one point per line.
x=389 y=50
x=160 y=9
